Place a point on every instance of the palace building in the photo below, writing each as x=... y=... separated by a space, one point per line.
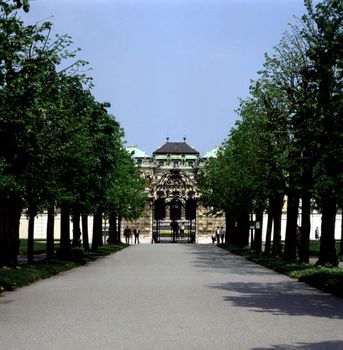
x=174 y=210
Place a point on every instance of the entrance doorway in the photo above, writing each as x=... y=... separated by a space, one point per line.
x=168 y=231
x=174 y=220
x=174 y=208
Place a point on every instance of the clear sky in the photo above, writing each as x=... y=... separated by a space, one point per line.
x=171 y=68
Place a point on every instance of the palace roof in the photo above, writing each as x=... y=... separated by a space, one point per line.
x=176 y=148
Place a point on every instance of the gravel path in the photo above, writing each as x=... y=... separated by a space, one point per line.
x=169 y=296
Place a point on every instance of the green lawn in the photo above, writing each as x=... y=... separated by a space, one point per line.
x=315 y=246
x=39 y=246
x=170 y=233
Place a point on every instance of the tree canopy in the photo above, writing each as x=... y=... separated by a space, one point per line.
x=288 y=141
x=59 y=146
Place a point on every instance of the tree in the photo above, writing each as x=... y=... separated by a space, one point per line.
x=287 y=70
x=21 y=67
x=44 y=119
x=324 y=33
x=126 y=196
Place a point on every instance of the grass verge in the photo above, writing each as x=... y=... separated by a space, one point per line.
x=39 y=246
x=26 y=274
x=327 y=279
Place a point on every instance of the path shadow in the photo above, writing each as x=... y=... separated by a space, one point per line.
x=282 y=298
x=328 y=345
x=212 y=257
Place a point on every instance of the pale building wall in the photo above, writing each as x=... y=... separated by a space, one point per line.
x=41 y=225
x=206 y=225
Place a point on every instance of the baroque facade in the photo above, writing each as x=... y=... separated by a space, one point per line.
x=170 y=175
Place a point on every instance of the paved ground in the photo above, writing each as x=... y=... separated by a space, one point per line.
x=168 y=296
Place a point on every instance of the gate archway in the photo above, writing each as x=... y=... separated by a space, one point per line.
x=176 y=221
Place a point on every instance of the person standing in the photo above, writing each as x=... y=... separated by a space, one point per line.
x=213 y=237
x=127 y=234
x=175 y=229
x=137 y=232
x=218 y=235
x=316 y=233
x=182 y=230
x=154 y=237
x=222 y=234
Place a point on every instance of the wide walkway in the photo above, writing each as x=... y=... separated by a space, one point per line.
x=170 y=297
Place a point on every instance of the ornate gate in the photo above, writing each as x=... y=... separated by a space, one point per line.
x=174 y=208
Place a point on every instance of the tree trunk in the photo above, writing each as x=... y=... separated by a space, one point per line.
x=85 y=238
x=305 y=228
x=119 y=228
x=243 y=229
x=76 y=227
x=291 y=243
x=64 y=250
x=30 y=235
x=50 y=244
x=327 y=253
x=252 y=236
x=97 y=231
x=112 y=228
x=307 y=184
x=268 y=243
x=10 y=212
x=341 y=244
x=258 y=230
x=230 y=228
x=277 y=215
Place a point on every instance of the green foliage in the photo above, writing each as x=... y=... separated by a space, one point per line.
x=323 y=31
x=126 y=194
x=11 y=279
x=290 y=135
x=7 y=7
x=60 y=146
x=327 y=279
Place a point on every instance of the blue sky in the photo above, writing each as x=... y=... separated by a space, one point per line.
x=171 y=68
